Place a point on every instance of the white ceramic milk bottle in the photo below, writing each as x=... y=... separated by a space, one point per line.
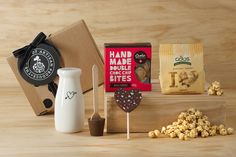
x=69 y=103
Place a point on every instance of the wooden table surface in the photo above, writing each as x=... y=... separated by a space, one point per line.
x=23 y=134
x=211 y=22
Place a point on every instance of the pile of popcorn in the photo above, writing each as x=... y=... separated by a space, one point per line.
x=215 y=89
x=191 y=124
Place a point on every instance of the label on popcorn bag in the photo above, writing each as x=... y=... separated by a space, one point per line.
x=181 y=68
x=127 y=66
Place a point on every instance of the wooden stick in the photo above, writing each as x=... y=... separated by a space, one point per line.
x=128 y=137
x=95 y=92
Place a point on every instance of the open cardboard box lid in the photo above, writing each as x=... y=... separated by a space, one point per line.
x=77 y=49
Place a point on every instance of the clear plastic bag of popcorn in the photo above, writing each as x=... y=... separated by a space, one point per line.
x=181 y=68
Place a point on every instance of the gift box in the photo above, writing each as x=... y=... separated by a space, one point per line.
x=76 y=48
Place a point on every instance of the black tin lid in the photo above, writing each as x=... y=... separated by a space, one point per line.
x=41 y=67
x=38 y=62
x=145 y=44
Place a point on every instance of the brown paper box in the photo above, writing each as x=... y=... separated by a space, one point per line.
x=77 y=49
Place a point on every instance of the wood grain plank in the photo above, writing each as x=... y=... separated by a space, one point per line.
x=211 y=22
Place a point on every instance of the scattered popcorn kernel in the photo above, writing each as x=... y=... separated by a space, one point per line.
x=223 y=131
x=215 y=85
x=204 y=118
x=182 y=115
x=214 y=127
x=198 y=114
x=204 y=133
x=189 y=118
x=205 y=127
x=175 y=123
x=163 y=130
x=181 y=128
x=168 y=126
x=220 y=92
x=221 y=126
x=172 y=135
x=185 y=138
x=191 y=110
x=179 y=121
x=177 y=132
x=157 y=133
x=151 y=134
x=199 y=129
x=230 y=131
x=184 y=122
x=207 y=123
x=191 y=124
x=212 y=132
x=200 y=123
x=193 y=133
x=211 y=92
x=215 y=89
x=181 y=136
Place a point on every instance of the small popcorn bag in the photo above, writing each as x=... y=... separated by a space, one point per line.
x=127 y=66
x=181 y=68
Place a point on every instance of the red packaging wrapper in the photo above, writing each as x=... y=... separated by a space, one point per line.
x=127 y=66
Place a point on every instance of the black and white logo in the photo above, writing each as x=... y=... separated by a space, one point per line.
x=40 y=65
x=140 y=57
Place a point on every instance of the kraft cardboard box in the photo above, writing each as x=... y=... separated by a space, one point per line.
x=77 y=49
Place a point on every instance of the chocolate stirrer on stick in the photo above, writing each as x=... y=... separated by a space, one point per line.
x=128 y=101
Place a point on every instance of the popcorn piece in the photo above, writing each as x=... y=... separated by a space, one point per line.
x=215 y=89
x=220 y=92
x=175 y=123
x=189 y=118
x=191 y=110
x=181 y=136
x=177 y=132
x=182 y=115
x=157 y=133
x=182 y=128
x=205 y=127
x=185 y=138
x=192 y=123
x=211 y=92
x=221 y=126
x=214 y=127
x=169 y=131
x=185 y=122
x=198 y=114
x=215 y=85
x=163 y=130
x=180 y=121
x=193 y=133
x=172 y=134
x=223 y=131
x=212 y=132
x=200 y=122
x=151 y=134
x=230 y=131
x=204 y=133
x=199 y=129
x=168 y=127
x=207 y=123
